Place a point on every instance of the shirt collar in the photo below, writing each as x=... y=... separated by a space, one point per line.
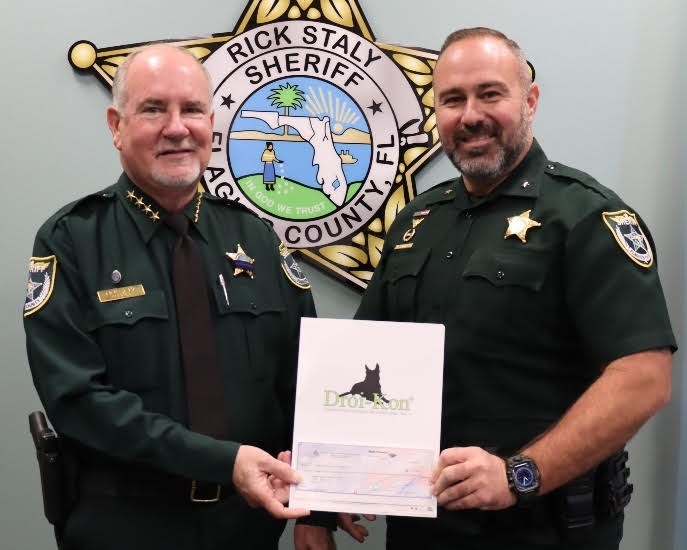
x=148 y=215
x=523 y=181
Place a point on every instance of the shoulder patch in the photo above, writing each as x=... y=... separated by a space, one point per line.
x=291 y=268
x=40 y=283
x=629 y=235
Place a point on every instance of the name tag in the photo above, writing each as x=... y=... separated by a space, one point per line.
x=123 y=293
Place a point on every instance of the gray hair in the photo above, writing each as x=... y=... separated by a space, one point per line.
x=119 y=90
x=526 y=70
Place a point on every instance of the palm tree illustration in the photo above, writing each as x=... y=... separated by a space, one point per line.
x=287 y=96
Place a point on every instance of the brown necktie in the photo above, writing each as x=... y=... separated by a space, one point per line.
x=205 y=401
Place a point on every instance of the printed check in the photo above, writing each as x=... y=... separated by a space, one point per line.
x=368 y=416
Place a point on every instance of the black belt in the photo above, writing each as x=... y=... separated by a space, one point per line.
x=132 y=483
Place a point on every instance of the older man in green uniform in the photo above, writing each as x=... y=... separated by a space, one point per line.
x=101 y=322
x=558 y=343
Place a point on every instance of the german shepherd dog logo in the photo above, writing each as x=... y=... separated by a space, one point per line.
x=368 y=388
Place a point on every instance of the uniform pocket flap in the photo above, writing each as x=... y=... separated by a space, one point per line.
x=248 y=299
x=151 y=305
x=407 y=263
x=525 y=268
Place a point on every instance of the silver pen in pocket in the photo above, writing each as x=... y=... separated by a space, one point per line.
x=224 y=288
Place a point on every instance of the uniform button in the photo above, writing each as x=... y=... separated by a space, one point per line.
x=500 y=274
x=551 y=166
x=449 y=254
x=525 y=184
x=128 y=314
x=253 y=306
x=467 y=214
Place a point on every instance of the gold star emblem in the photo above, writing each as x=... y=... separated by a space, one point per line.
x=519 y=225
x=241 y=261
x=130 y=195
x=155 y=216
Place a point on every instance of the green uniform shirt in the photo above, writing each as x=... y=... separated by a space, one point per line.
x=109 y=372
x=529 y=321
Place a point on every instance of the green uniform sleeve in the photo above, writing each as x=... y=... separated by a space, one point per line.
x=70 y=375
x=617 y=303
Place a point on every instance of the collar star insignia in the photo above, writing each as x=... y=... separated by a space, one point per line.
x=241 y=261
x=519 y=225
x=143 y=207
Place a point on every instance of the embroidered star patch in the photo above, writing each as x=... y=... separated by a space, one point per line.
x=629 y=235
x=241 y=261
x=519 y=225
x=40 y=283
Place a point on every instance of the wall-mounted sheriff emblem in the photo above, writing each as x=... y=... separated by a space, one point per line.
x=319 y=129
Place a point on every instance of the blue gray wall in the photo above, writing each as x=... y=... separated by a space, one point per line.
x=613 y=103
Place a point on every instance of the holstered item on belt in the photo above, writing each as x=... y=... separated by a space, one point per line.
x=613 y=492
x=596 y=496
x=56 y=479
x=576 y=514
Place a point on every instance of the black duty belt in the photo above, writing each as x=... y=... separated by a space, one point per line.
x=105 y=482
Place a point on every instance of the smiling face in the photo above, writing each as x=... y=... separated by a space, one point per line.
x=163 y=130
x=484 y=110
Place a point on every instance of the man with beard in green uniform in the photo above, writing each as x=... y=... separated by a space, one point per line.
x=101 y=322
x=558 y=342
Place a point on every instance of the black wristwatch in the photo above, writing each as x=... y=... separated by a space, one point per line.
x=523 y=478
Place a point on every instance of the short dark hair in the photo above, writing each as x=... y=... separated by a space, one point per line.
x=527 y=70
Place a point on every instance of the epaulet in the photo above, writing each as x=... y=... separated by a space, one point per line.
x=441 y=192
x=558 y=170
x=106 y=194
x=232 y=203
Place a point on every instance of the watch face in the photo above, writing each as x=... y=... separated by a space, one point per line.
x=523 y=476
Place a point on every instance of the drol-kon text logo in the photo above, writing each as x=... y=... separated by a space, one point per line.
x=366 y=394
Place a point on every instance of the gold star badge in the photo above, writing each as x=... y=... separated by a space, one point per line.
x=241 y=261
x=519 y=225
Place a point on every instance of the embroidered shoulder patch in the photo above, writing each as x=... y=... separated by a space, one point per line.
x=629 y=235
x=293 y=271
x=40 y=283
